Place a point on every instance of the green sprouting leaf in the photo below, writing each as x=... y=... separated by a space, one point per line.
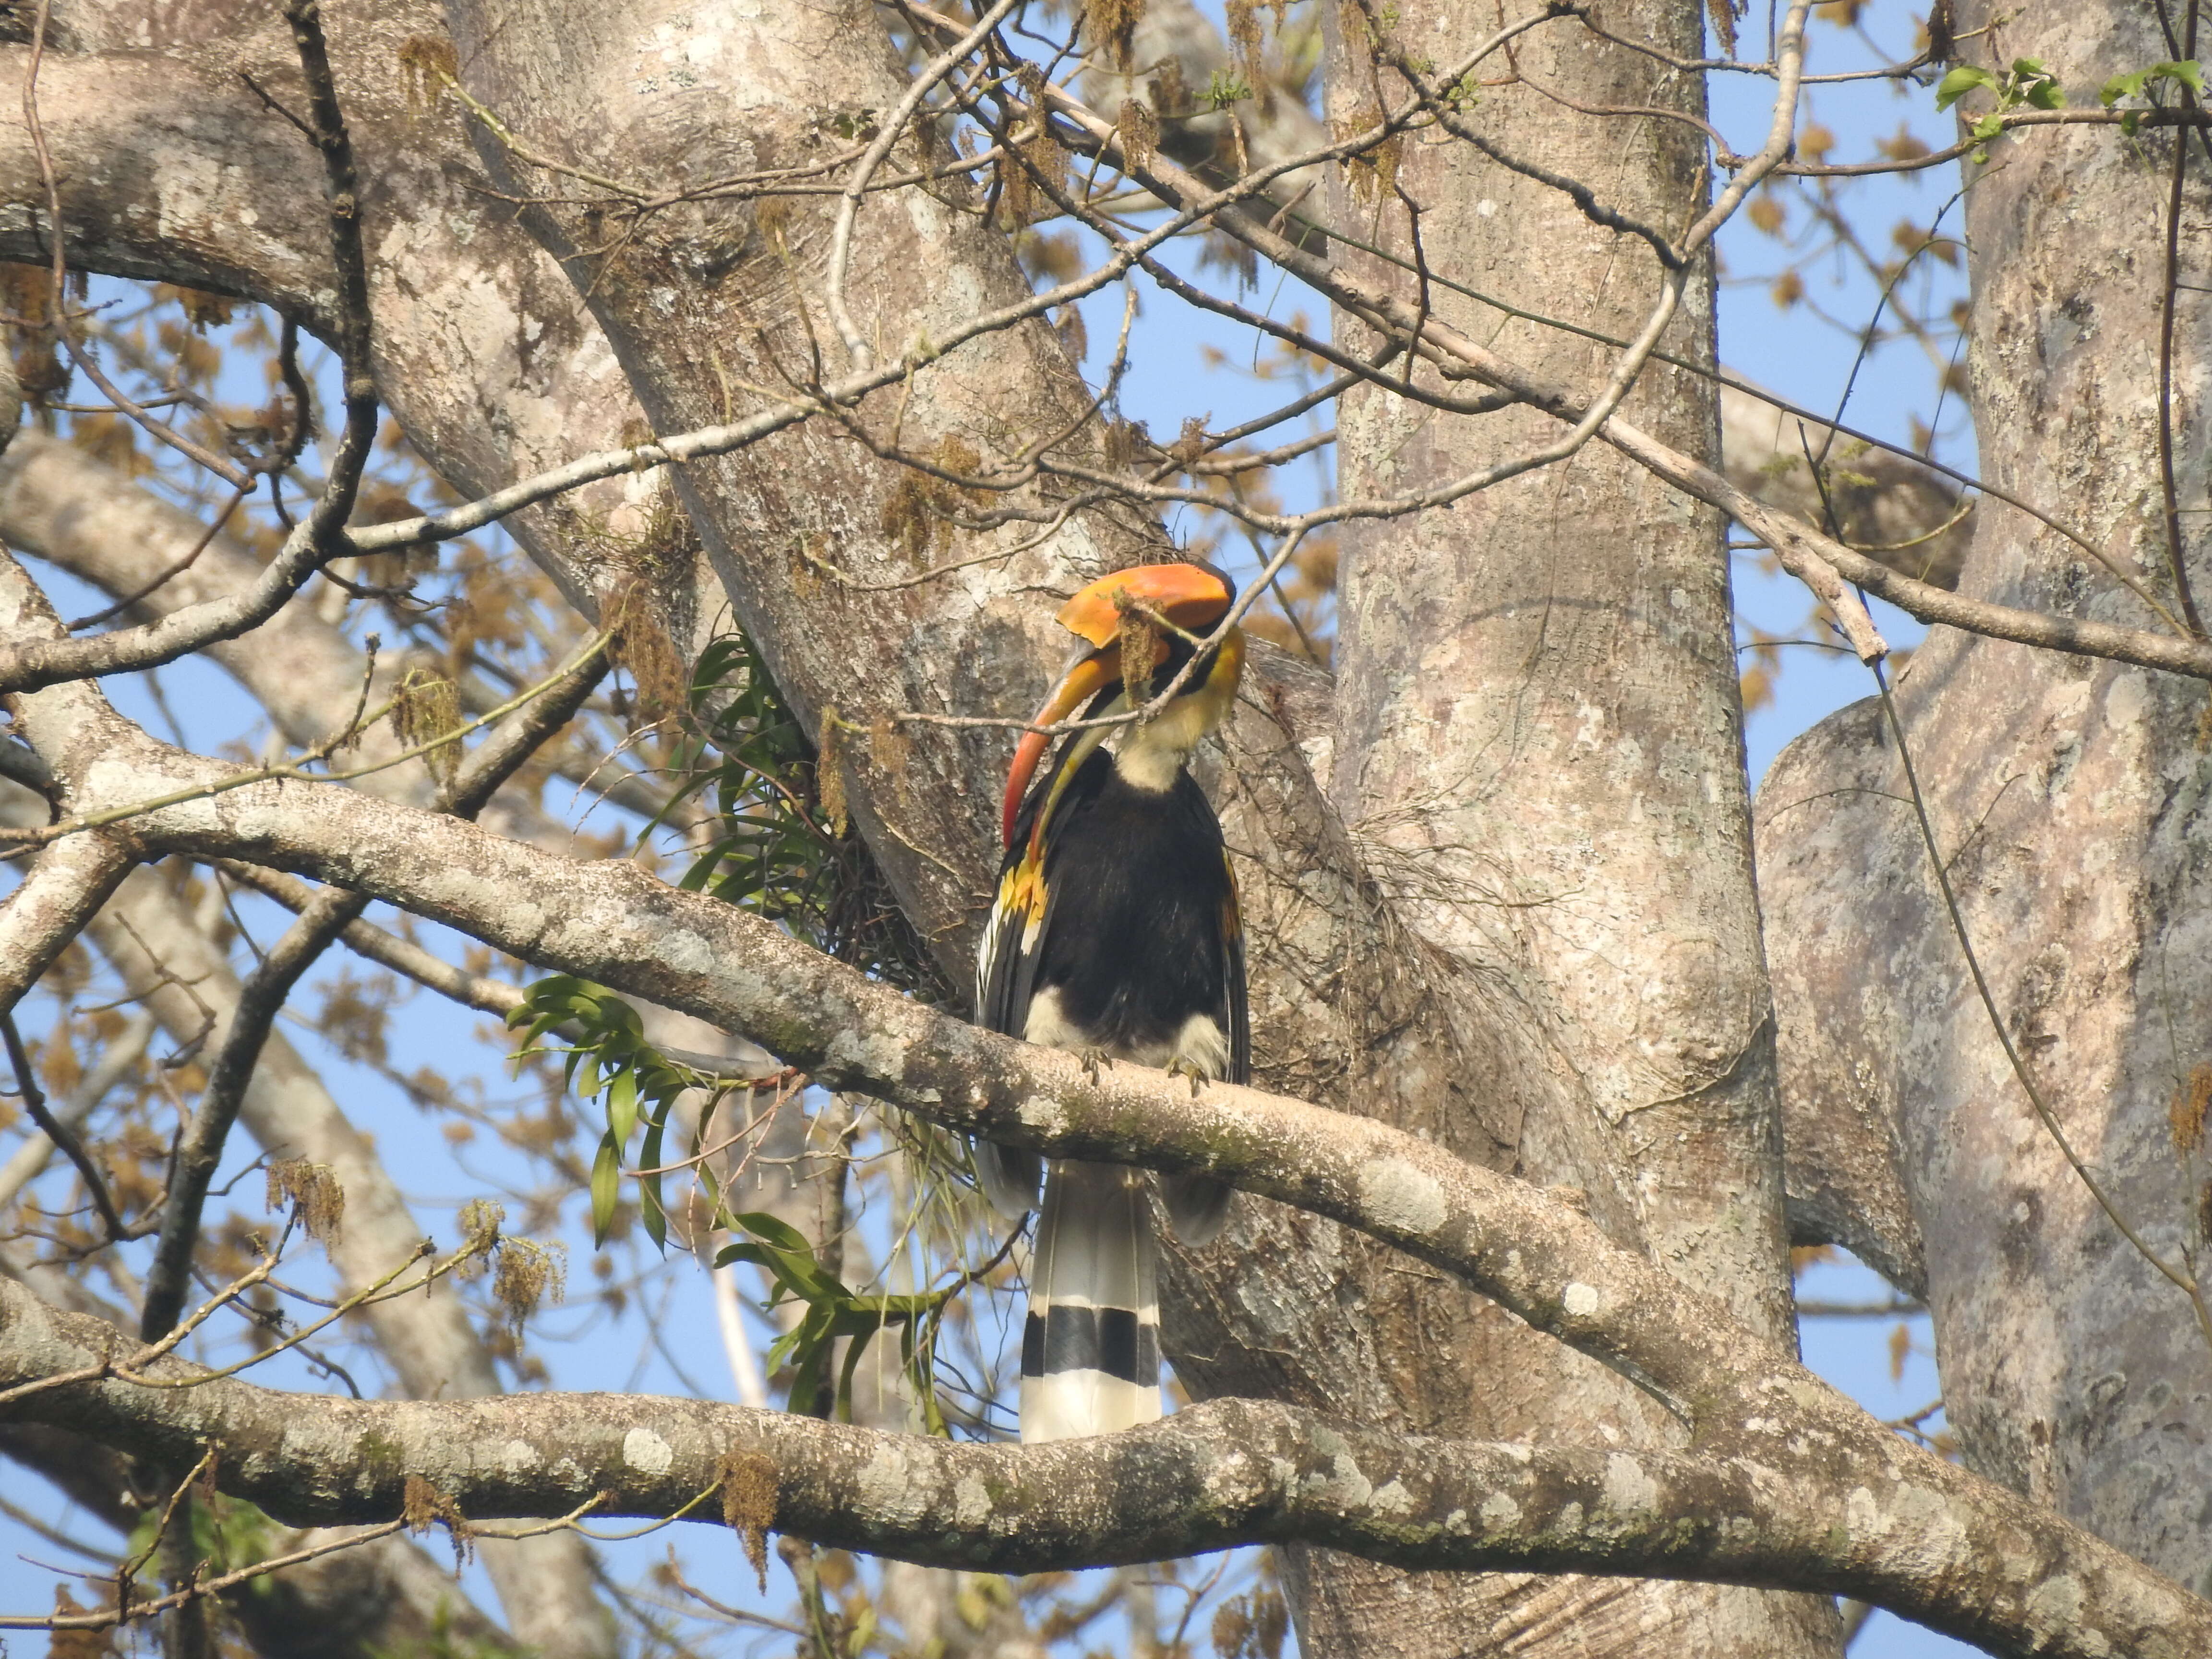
x=1960 y=81
x=2138 y=83
x=606 y=1188
x=2029 y=83
x=1226 y=87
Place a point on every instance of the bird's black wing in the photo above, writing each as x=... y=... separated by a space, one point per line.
x=1013 y=947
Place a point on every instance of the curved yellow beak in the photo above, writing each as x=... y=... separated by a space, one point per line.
x=1091 y=673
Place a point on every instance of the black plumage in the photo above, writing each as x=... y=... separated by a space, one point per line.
x=1139 y=931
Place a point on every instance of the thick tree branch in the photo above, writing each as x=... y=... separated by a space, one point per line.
x=1219 y=1474
x=68 y=883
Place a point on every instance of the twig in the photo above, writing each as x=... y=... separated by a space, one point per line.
x=295 y=771
x=34 y=1102
x=163 y=578
x=108 y=1618
x=127 y=1574
x=2168 y=491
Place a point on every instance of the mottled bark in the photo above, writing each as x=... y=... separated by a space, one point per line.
x=1223 y=1473
x=703 y=301
x=60 y=891
x=2069 y=802
x=1582 y=1002
x=1544 y=673
x=471 y=344
x=1260 y=1314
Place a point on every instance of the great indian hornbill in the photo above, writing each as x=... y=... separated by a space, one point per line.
x=1115 y=935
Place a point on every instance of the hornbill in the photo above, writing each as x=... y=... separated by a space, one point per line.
x=1115 y=935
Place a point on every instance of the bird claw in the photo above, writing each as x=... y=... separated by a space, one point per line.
x=1093 y=1058
x=1180 y=1066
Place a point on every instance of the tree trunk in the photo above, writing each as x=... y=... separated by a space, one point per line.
x=2069 y=801
x=1538 y=743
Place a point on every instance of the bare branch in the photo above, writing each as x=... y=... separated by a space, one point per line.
x=120 y=1054
x=1816 y=559
x=57 y=1133
x=67 y=883
x=1213 y=1475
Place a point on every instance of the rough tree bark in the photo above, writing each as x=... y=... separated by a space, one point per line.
x=1543 y=673
x=2068 y=805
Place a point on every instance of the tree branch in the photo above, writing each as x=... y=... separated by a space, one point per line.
x=1817 y=559
x=1211 y=1477
x=69 y=882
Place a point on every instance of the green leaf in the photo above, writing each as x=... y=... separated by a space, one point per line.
x=773 y=1231
x=653 y=1210
x=784 y=1252
x=809 y=1350
x=2185 y=72
x=1960 y=81
x=606 y=1187
x=622 y=1107
x=855 y=1346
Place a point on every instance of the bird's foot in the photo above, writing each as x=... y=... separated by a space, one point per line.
x=1179 y=1067
x=1094 y=1058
